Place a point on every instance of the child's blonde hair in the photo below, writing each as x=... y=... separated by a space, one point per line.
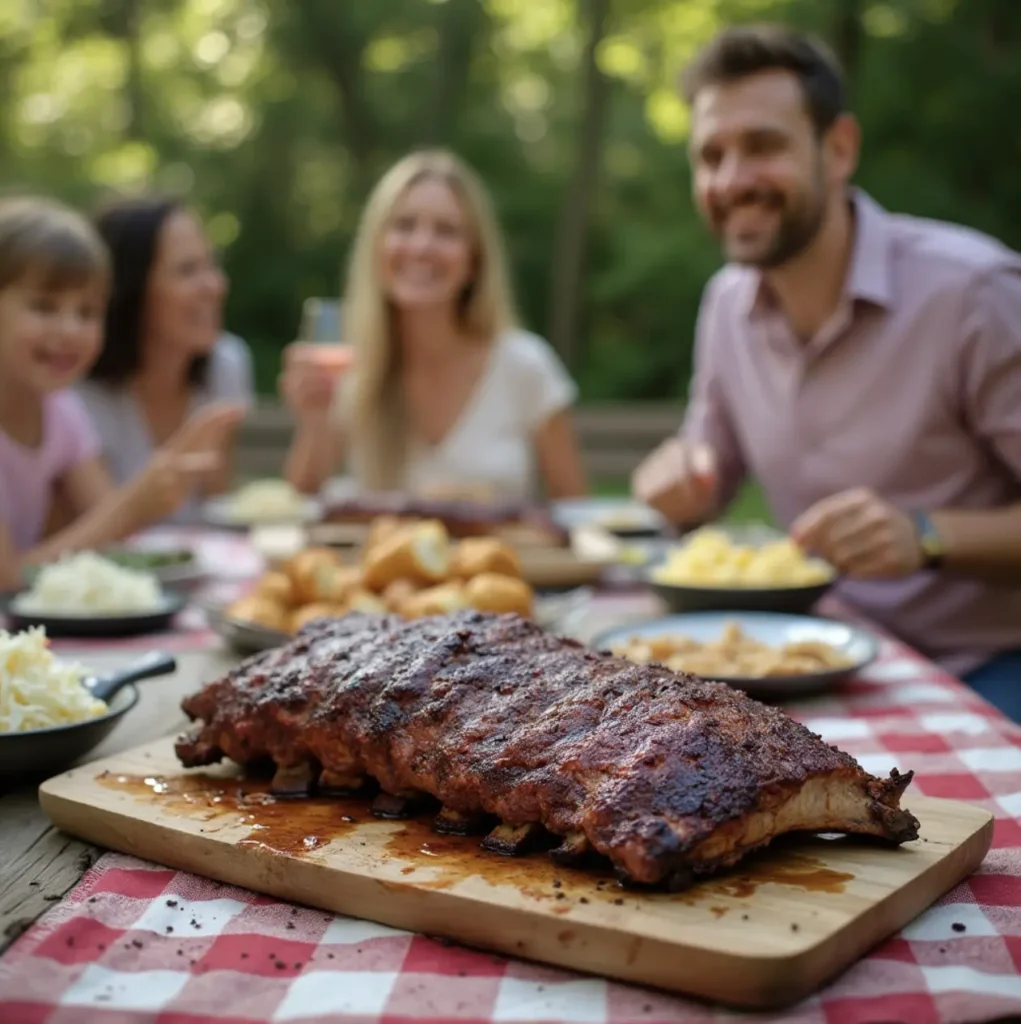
x=485 y=309
x=51 y=242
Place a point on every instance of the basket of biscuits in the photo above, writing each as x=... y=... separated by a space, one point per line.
x=408 y=568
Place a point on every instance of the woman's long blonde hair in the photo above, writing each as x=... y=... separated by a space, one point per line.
x=377 y=422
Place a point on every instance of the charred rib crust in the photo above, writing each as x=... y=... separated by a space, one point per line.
x=491 y=715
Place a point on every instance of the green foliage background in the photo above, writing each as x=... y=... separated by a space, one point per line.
x=275 y=116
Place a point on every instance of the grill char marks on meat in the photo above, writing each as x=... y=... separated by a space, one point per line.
x=667 y=775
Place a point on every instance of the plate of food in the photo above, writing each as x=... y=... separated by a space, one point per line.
x=52 y=711
x=763 y=653
x=517 y=523
x=261 y=503
x=752 y=568
x=623 y=517
x=249 y=625
x=88 y=595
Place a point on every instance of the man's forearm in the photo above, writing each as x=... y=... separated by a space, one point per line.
x=984 y=543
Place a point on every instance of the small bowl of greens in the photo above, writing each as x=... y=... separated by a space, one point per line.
x=175 y=568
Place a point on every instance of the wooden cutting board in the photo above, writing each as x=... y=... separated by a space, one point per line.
x=765 y=935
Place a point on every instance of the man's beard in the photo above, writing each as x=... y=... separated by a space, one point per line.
x=801 y=219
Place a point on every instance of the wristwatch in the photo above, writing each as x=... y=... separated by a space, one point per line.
x=929 y=540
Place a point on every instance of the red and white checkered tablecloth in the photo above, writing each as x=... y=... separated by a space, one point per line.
x=136 y=942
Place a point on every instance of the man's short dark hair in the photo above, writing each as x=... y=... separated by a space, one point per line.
x=743 y=50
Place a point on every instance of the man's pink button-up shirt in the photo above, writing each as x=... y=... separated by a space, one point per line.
x=913 y=388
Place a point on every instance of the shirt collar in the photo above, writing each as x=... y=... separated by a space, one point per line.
x=870 y=273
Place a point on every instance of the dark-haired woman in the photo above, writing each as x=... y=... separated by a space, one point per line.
x=167 y=368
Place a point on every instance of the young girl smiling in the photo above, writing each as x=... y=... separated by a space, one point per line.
x=54 y=276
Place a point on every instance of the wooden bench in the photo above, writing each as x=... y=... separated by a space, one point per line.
x=613 y=436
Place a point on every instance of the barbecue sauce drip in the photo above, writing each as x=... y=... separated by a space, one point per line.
x=290 y=827
x=298 y=827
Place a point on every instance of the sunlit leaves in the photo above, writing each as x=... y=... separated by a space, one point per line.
x=128 y=166
x=223 y=122
x=321 y=181
x=161 y=48
x=885 y=21
x=528 y=25
x=250 y=24
x=214 y=10
x=649 y=46
x=82 y=88
x=16 y=21
x=395 y=52
x=623 y=58
x=667 y=114
x=223 y=229
x=211 y=48
x=526 y=93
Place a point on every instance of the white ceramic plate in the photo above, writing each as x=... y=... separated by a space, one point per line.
x=219 y=511
x=621 y=516
x=773 y=628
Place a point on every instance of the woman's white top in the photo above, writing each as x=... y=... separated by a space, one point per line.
x=127 y=444
x=491 y=446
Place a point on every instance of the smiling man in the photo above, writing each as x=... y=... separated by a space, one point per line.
x=864 y=366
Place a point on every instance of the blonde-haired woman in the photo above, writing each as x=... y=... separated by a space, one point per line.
x=447 y=393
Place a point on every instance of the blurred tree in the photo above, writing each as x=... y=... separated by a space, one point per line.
x=571 y=248
x=847 y=36
x=461 y=26
x=275 y=120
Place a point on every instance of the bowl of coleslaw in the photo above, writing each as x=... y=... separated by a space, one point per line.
x=88 y=595
x=52 y=711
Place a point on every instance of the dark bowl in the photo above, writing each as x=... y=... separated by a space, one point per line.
x=792 y=600
x=48 y=751
x=684 y=597
x=95 y=626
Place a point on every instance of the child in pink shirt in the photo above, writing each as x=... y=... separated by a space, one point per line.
x=28 y=474
x=53 y=285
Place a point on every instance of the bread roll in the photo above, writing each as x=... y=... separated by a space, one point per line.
x=365 y=601
x=380 y=529
x=420 y=552
x=493 y=592
x=475 y=555
x=438 y=600
x=259 y=610
x=308 y=569
x=277 y=587
x=336 y=585
x=396 y=593
x=317 y=610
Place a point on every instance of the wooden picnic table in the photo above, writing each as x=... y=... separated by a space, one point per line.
x=902 y=711
x=38 y=864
